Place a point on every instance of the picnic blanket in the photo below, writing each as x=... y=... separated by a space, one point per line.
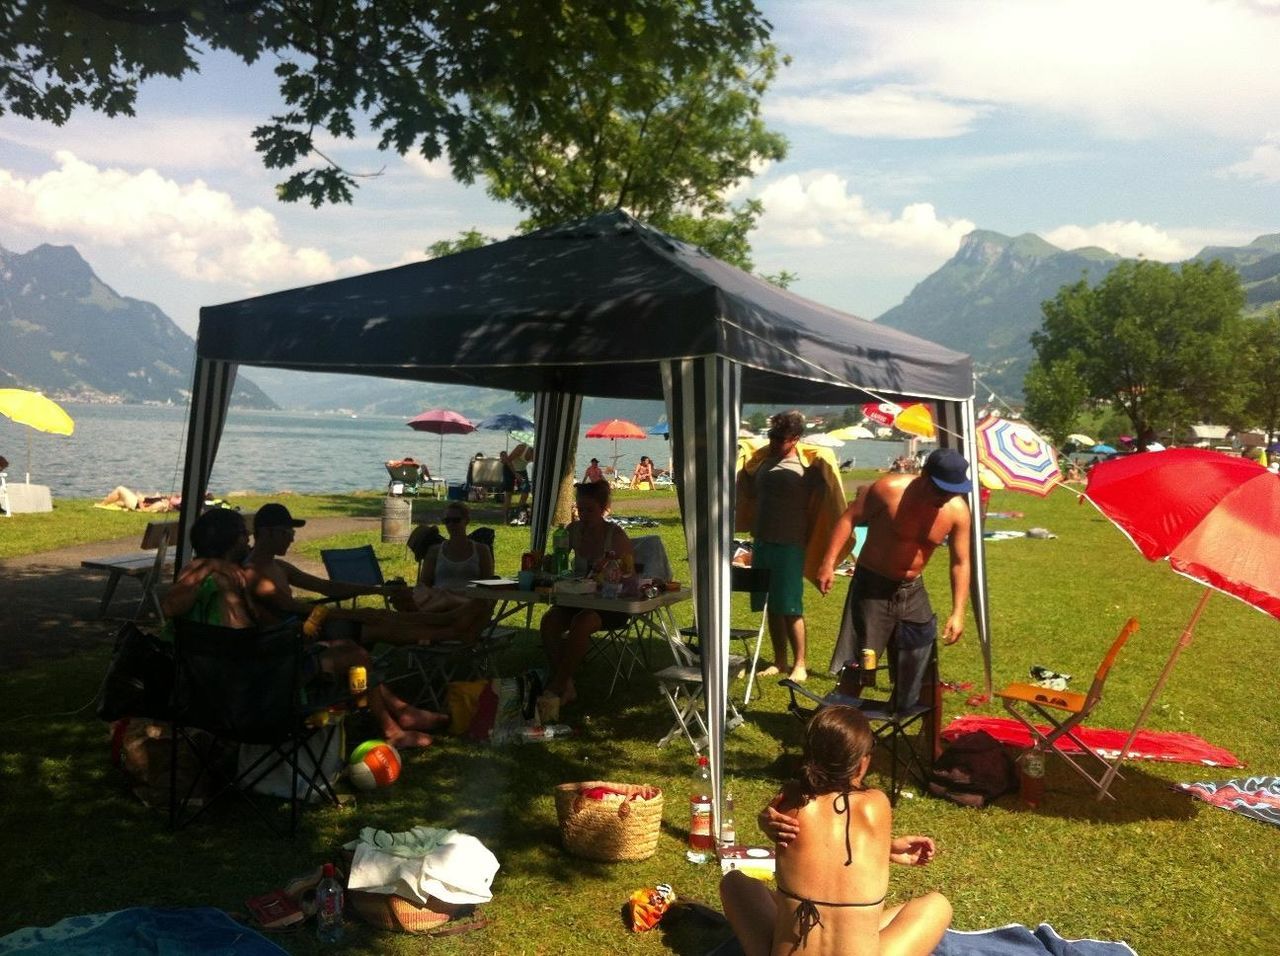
x=1015 y=940
x=142 y=931
x=1257 y=798
x=1164 y=745
x=1011 y=940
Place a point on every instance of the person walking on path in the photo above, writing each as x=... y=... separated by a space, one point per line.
x=907 y=517
x=789 y=501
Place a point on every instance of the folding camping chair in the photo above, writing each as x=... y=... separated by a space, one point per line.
x=1024 y=701
x=354 y=566
x=244 y=686
x=902 y=721
x=683 y=687
x=746 y=580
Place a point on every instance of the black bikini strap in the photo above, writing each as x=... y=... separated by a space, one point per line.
x=848 y=817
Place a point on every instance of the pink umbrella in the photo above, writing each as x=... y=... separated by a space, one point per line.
x=616 y=428
x=441 y=421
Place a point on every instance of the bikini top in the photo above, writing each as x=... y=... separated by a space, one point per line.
x=807 y=915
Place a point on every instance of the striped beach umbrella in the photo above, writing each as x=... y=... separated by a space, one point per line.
x=1018 y=456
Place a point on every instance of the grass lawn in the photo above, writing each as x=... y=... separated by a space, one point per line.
x=1166 y=874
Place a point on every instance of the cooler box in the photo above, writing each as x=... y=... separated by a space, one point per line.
x=457 y=492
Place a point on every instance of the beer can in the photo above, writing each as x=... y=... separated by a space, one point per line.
x=528 y=561
x=358 y=683
x=868 y=667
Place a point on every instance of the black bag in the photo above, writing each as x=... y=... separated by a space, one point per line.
x=139 y=680
x=973 y=771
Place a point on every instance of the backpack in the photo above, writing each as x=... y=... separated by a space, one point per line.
x=973 y=771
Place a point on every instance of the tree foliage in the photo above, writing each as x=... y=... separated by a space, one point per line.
x=470 y=80
x=1159 y=344
x=1055 y=393
x=1260 y=371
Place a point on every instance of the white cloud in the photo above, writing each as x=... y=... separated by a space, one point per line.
x=194 y=230
x=1263 y=163
x=432 y=169
x=888 y=112
x=1128 y=69
x=815 y=209
x=1131 y=239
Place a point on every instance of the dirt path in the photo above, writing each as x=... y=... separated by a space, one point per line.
x=49 y=604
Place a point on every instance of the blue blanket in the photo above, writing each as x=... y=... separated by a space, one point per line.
x=142 y=931
x=1015 y=940
x=1010 y=940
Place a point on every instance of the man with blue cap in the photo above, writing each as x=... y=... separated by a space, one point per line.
x=907 y=517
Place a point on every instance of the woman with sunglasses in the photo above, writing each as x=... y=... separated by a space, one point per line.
x=450 y=566
x=834 y=847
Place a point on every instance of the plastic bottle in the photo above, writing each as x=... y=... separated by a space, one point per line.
x=546 y=732
x=610 y=576
x=728 y=831
x=329 y=907
x=1031 y=777
x=560 y=547
x=700 y=841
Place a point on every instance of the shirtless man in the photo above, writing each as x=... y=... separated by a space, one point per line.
x=215 y=589
x=906 y=517
x=271 y=582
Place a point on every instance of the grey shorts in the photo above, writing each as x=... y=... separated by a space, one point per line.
x=873 y=609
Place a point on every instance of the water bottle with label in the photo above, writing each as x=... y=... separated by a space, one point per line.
x=329 y=907
x=560 y=548
x=700 y=840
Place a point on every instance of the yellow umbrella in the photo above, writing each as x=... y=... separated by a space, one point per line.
x=35 y=411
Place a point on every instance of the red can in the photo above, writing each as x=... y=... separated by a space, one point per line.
x=528 y=561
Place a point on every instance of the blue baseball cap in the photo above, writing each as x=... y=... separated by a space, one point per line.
x=948 y=470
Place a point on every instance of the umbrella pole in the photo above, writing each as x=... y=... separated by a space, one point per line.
x=28 y=457
x=440 y=457
x=1184 y=641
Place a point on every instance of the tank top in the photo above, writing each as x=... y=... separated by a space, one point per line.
x=457 y=574
x=582 y=564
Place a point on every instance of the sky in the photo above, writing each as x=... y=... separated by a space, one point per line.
x=1147 y=128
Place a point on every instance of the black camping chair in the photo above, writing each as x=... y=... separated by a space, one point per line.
x=244 y=686
x=353 y=566
x=902 y=720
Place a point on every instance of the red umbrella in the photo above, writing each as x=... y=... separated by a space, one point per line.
x=1215 y=518
x=616 y=428
x=441 y=421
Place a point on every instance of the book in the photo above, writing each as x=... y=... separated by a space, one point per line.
x=275 y=910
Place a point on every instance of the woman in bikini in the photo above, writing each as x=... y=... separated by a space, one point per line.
x=833 y=850
x=566 y=632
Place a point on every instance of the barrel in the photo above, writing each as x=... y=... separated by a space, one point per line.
x=397 y=519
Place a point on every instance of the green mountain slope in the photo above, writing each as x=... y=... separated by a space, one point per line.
x=68 y=334
x=986 y=299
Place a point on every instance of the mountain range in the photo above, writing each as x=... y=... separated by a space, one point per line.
x=985 y=300
x=68 y=334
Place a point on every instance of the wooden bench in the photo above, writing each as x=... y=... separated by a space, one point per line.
x=147 y=565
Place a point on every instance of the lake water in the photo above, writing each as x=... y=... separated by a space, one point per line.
x=142 y=447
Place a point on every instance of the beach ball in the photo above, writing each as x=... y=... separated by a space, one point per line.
x=374 y=764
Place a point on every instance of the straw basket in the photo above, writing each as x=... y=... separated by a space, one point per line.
x=616 y=822
x=401 y=915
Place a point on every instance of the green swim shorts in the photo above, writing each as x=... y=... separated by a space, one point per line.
x=786 y=577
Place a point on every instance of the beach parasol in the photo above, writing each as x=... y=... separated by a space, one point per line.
x=1084 y=441
x=914 y=419
x=506 y=422
x=614 y=429
x=37 y=412
x=663 y=428
x=1017 y=455
x=851 y=433
x=1102 y=450
x=1215 y=518
x=440 y=421
x=822 y=441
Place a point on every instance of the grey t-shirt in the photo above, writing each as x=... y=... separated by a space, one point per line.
x=782 y=501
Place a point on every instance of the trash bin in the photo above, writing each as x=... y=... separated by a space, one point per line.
x=457 y=492
x=397 y=519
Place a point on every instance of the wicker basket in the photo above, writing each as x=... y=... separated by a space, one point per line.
x=401 y=915
x=621 y=824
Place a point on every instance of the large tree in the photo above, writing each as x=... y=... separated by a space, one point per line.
x=1259 y=369
x=476 y=81
x=1159 y=344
